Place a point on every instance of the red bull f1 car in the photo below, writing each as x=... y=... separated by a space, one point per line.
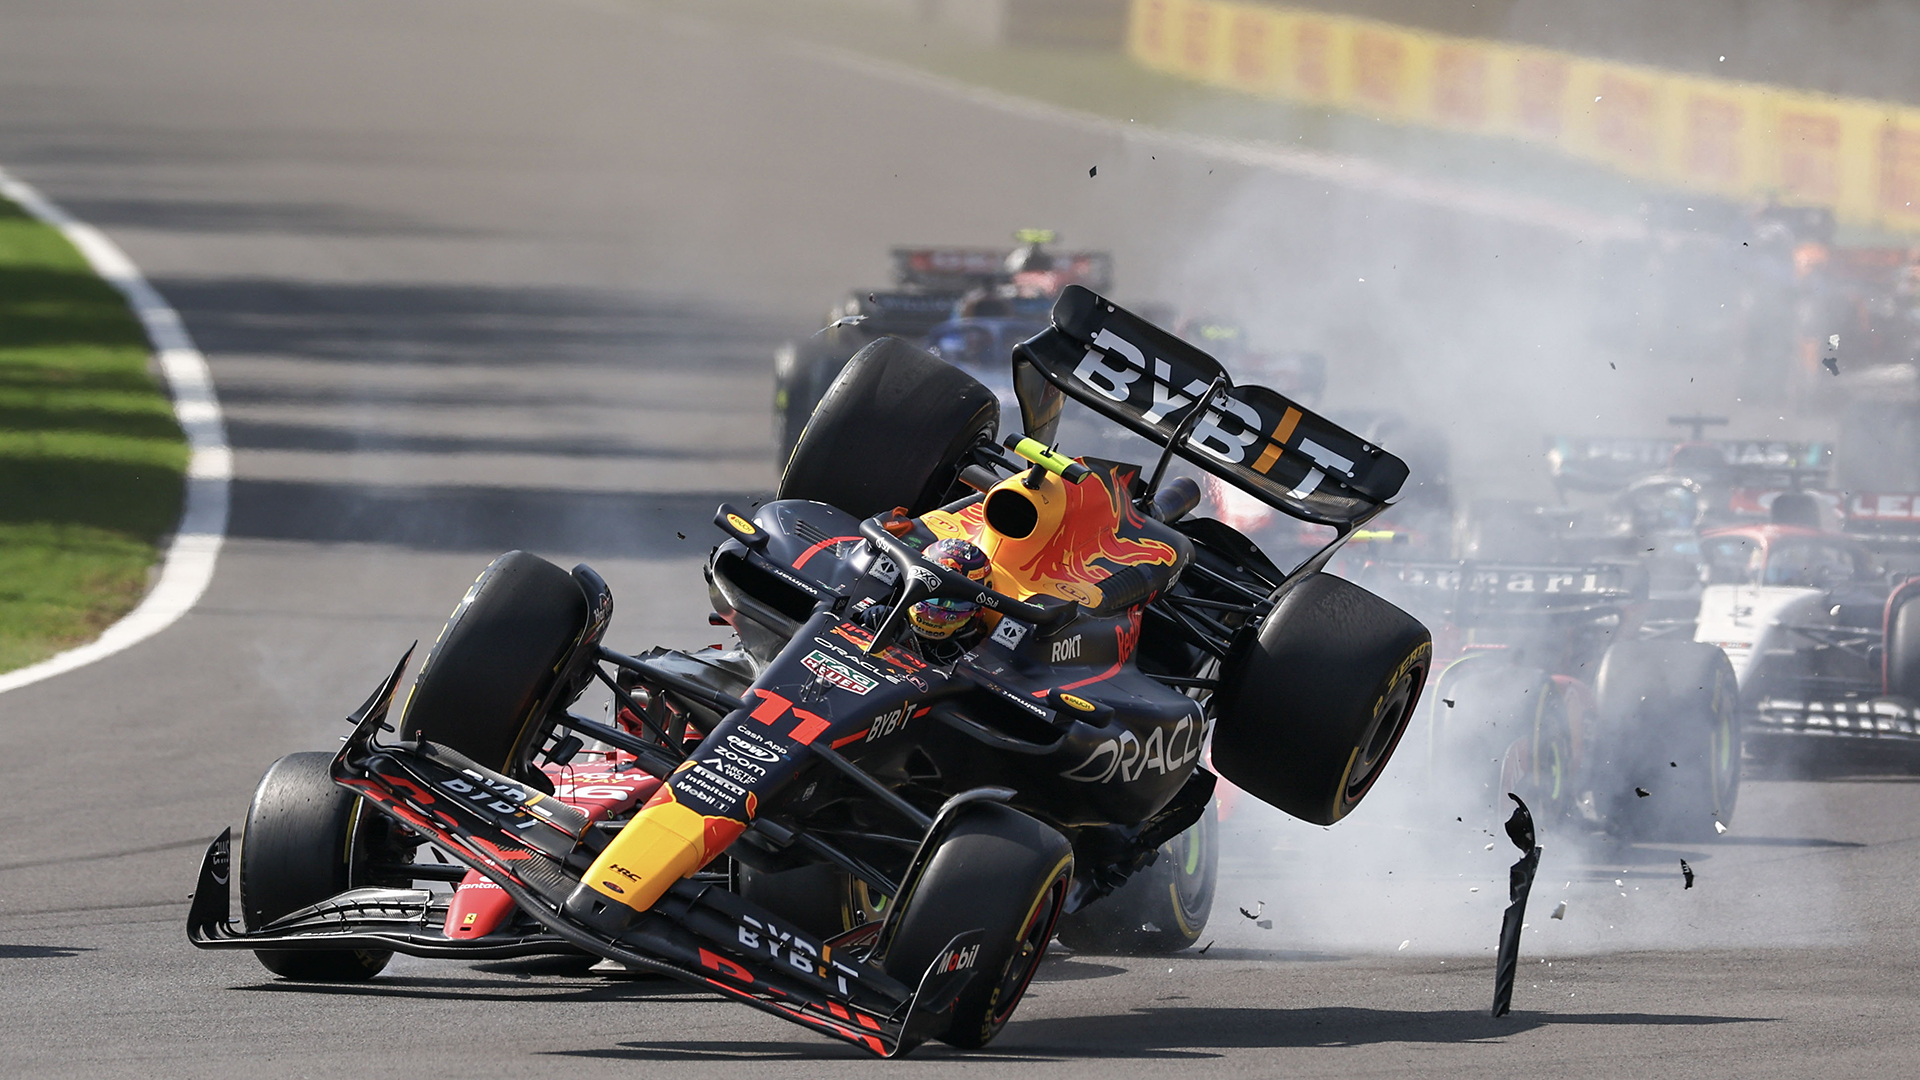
x=967 y=710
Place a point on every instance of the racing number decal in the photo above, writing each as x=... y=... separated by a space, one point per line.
x=772 y=707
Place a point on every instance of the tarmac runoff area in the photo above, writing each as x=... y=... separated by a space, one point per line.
x=479 y=275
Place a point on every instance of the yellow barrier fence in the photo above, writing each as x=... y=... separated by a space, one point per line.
x=1746 y=141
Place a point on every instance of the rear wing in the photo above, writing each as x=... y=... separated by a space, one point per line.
x=1889 y=520
x=1151 y=382
x=1608 y=464
x=957 y=269
x=1468 y=592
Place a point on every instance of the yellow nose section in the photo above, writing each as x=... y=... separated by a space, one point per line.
x=662 y=844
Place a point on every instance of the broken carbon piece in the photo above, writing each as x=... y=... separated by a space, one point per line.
x=1519 y=885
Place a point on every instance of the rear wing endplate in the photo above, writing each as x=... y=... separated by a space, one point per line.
x=1150 y=381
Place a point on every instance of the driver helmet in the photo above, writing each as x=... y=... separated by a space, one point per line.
x=942 y=619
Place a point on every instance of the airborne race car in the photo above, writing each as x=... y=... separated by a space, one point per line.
x=954 y=717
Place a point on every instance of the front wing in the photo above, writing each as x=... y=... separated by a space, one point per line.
x=697 y=933
x=1882 y=719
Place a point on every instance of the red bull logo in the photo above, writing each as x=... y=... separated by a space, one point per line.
x=1083 y=534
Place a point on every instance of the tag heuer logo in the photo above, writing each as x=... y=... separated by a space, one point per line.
x=837 y=673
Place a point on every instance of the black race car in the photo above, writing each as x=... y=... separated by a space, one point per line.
x=966 y=710
x=977 y=300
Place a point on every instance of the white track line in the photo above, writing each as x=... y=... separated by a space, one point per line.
x=203 y=526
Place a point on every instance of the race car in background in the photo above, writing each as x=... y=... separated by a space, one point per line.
x=1824 y=637
x=1547 y=688
x=1849 y=326
x=1722 y=469
x=980 y=300
x=1646 y=500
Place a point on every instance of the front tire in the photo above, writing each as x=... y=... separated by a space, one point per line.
x=1903 y=646
x=488 y=685
x=802 y=373
x=892 y=430
x=308 y=839
x=999 y=869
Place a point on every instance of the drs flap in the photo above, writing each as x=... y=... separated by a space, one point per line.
x=1149 y=381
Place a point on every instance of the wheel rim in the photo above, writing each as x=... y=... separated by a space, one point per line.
x=1551 y=750
x=1389 y=723
x=1028 y=950
x=865 y=904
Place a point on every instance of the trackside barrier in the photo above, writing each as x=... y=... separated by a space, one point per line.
x=1745 y=141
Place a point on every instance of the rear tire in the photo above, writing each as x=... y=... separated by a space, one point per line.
x=488 y=685
x=891 y=431
x=1668 y=724
x=1313 y=710
x=308 y=839
x=1903 y=648
x=1160 y=910
x=999 y=869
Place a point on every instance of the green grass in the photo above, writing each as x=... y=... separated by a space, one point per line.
x=92 y=464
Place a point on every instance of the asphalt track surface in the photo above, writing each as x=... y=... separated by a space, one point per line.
x=478 y=275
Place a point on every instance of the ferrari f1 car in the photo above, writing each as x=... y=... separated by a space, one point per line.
x=1548 y=686
x=966 y=710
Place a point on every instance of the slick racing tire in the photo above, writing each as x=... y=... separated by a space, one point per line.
x=1669 y=725
x=1311 y=711
x=489 y=683
x=996 y=869
x=1512 y=722
x=1903 y=645
x=1160 y=910
x=801 y=375
x=892 y=431
x=308 y=839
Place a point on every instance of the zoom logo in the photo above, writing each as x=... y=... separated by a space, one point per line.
x=753 y=750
